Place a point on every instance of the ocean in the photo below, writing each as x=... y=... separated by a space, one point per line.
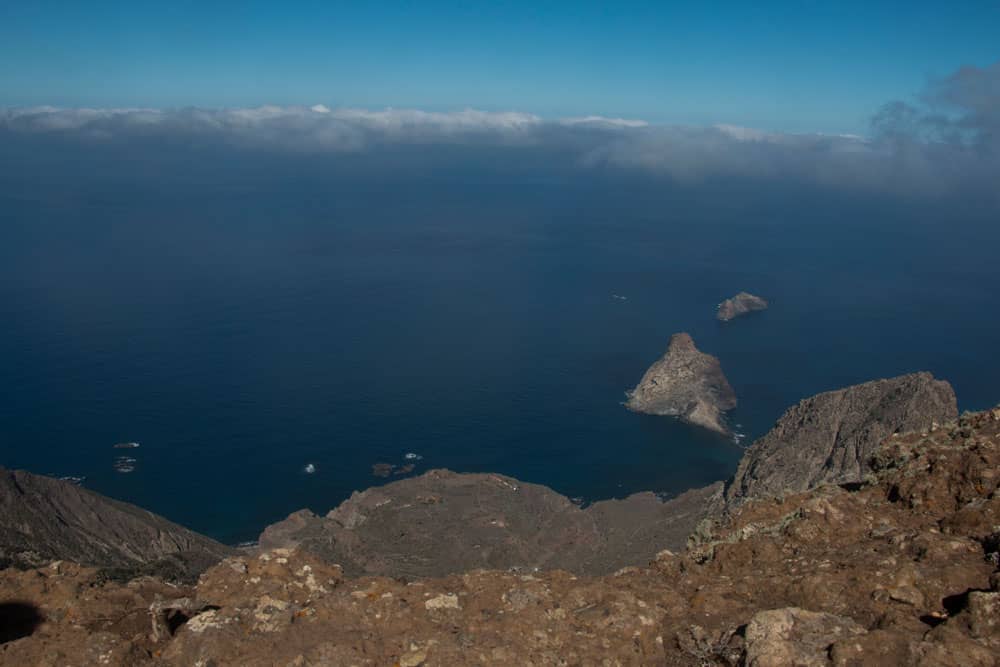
x=246 y=315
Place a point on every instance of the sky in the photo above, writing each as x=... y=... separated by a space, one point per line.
x=796 y=66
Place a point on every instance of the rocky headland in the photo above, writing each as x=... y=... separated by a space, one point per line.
x=830 y=438
x=44 y=519
x=685 y=383
x=741 y=304
x=861 y=530
x=442 y=523
x=900 y=569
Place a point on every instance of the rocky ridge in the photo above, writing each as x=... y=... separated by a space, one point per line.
x=901 y=569
x=685 y=383
x=829 y=438
x=443 y=522
x=741 y=304
x=47 y=519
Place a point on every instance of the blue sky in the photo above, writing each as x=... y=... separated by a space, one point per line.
x=789 y=66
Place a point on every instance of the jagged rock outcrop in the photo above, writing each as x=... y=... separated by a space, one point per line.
x=44 y=519
x=685 y=383
x=830 y=438
x=741 y=304
x=901 y=570
x=441 y=522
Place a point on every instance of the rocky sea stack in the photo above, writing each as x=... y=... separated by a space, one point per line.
x=741 y=304
x=685 y=383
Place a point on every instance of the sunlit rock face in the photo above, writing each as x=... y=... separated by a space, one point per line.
x=685 y=383
x=830 y=438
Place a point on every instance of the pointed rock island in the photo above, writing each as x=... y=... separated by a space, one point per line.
x=685 y=383
x=741 y=304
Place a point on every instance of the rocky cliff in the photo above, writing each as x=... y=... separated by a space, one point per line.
x=44 y=519
x=685 y=383
x=830 y=438
x=741 y=304
x=898 y=570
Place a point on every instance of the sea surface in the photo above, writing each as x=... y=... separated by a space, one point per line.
x=244 y=317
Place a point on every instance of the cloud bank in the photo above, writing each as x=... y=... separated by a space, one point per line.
x=946 y=139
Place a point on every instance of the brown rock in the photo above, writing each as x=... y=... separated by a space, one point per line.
x=783 y=637
x=830 y=438
x=442 y=522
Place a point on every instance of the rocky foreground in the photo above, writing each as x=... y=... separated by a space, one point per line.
x=900 y=569
x=685 y=383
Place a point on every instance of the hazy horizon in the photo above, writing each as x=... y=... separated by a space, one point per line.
x=255 y=237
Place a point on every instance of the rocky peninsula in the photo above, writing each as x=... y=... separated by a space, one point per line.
x=685 y=383
x=741 y=304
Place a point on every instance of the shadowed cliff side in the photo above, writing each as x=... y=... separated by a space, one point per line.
x=44 y=519
x=443 y=522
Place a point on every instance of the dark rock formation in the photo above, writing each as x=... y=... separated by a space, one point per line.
x=685 y=383
x=901 y=571
x=741 y=304
x=830 y=438
x=442 y=522
x=44 y=519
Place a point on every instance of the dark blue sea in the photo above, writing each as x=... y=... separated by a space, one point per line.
x=242 y=316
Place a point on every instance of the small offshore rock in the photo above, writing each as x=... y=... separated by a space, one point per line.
x=741 y=304
x=685 y=383
x=383 y=469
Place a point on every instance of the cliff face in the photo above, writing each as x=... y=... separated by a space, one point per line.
x=685 y=383
x=741 y=304
x=901 y=571
x=830 y=438
x=46 y=519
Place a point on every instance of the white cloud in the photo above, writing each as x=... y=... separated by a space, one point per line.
x=602 y=121
x=897 y=160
